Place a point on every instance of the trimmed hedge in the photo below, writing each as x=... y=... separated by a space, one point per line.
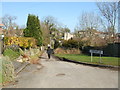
x=109 y=50
x=112 y=50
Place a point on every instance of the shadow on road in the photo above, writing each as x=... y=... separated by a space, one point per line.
x=43 y=57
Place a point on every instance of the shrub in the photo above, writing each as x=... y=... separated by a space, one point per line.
x=6 y=70
x=11 y=53
x=56 y=44
x=72 y=44
x=24 y=42
x=86 y=49
x=109 y=50
x=67 y=51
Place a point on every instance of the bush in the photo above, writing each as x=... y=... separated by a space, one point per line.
x=11 y=53
x=72 y=44
x=24 y=42
x=86 y=50
x=112 y=50
x=109 y=50
x=6 y=70
x=67 y=51
x=57 y=44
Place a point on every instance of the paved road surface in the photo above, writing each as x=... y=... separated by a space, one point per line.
x=59 y=74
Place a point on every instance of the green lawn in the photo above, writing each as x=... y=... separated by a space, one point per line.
x=84 y=58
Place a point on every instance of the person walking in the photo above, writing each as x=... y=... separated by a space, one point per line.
x=49 y=52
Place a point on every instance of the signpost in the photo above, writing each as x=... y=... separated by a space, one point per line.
x=96 y=52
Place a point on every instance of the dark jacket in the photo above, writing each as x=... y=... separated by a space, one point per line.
x=50 y=51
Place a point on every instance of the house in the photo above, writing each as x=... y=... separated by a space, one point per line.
x=89 y=33
x=102 y=34
x=117 y=38
x=68 y=36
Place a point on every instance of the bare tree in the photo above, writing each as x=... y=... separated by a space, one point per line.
x=89 y=21
x=46 y=33
x=119 y=16
x=50 y=21
x=88 y=24
x=109 y=11
x=7 y=20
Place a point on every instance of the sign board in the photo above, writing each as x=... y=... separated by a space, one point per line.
x=96 y=51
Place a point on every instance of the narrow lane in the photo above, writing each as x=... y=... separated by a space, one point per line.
x=59 y=74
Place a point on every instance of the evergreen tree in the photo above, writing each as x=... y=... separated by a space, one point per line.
x=33 y=29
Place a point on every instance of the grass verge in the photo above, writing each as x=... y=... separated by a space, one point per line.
x=84 y=58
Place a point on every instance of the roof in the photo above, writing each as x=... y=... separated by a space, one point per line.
x=1 y=24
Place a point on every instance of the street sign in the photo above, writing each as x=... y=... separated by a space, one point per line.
x=96 y=52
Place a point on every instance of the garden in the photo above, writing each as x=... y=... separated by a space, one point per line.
x=20 y=49
x=77 y=51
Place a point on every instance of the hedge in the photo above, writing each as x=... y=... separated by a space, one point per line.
x=109 y=50
x=24 y=42
x=72 y=44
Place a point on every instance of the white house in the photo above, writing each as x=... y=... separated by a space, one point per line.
x=68 y=36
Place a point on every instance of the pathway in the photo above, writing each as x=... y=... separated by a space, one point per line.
x=59 y=74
